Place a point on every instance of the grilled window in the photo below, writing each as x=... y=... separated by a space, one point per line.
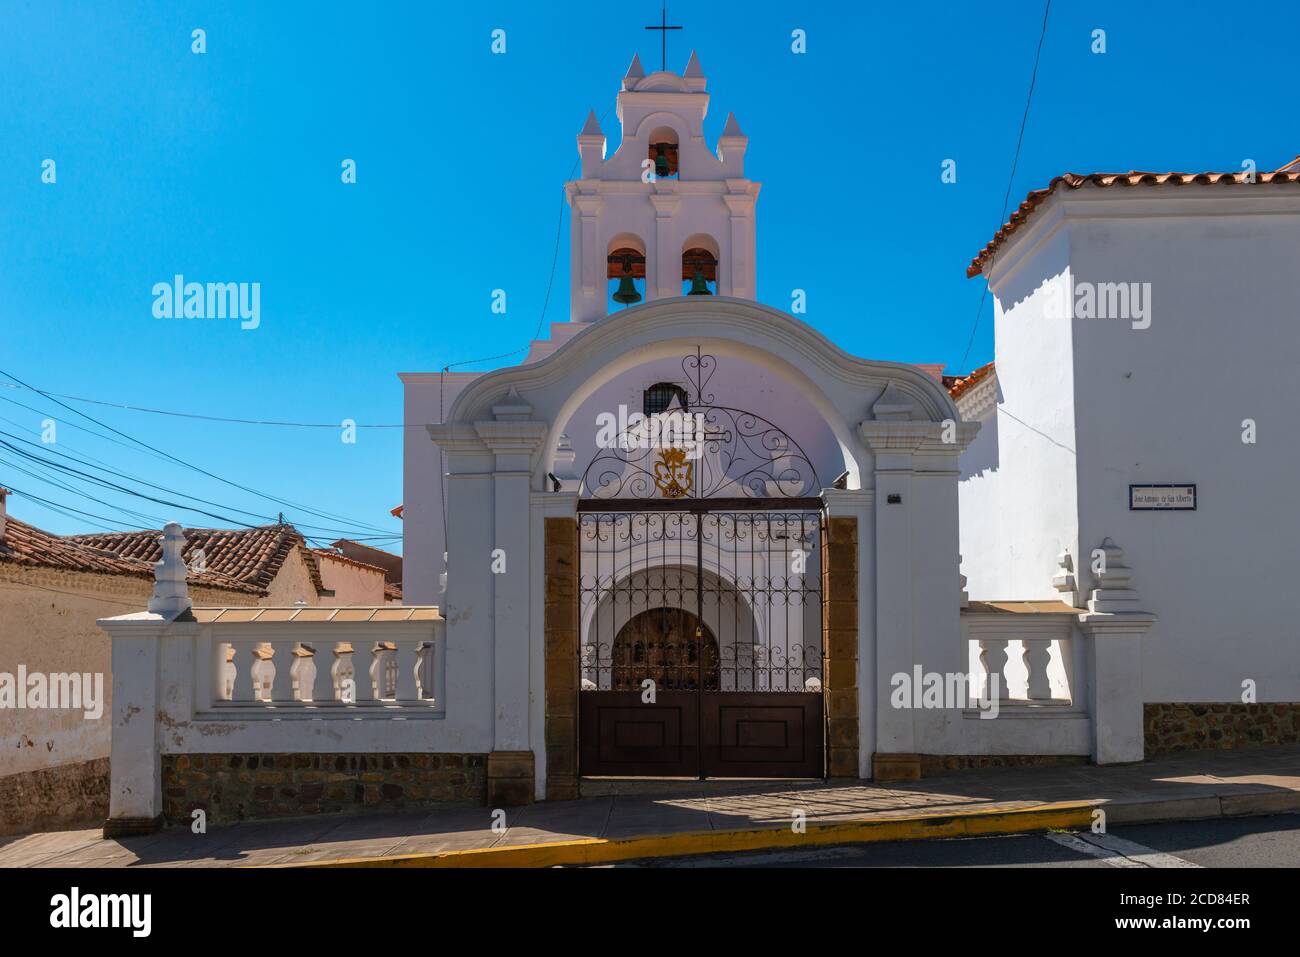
x=659 y=396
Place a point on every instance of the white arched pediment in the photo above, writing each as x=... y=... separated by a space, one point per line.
x=842 y=388
x=662 y=81
x=639 y=139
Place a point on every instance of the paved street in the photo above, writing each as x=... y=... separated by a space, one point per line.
x=1272 y=841
x=676 y=817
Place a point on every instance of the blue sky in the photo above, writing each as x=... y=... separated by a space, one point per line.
x=225 y=166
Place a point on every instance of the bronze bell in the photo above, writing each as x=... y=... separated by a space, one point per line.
x=626 y=292
x=661 y=161
x=699 y=285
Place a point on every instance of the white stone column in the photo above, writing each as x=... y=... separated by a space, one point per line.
x=910 y=450
x=895 y=647
x=664 y=263
x=513 y=443
x=1113 y=628
x=488 y=585
x=588 y=260
x=467 y=605
x=741 y=270
x=135 y=786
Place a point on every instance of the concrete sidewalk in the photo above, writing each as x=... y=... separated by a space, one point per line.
x=618 y=820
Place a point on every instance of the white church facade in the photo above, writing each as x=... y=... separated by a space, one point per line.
x=690 y=536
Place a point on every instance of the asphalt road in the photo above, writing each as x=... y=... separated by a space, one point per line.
x=1233 y=842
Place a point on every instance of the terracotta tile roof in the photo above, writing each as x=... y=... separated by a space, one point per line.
x=1290 y=173
x=28 y=545
x=328 y=555
x=250 y=556
x=956 y=384
x=933 y=369
x=392 y=592
x=368 y=554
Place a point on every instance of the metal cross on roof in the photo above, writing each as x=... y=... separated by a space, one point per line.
x=663 y=29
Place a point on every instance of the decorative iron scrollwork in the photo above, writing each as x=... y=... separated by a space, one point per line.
x=723 y=452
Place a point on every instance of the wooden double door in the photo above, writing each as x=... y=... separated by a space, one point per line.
x=701 y=646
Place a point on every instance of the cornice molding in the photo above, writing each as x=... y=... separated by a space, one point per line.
x=906 y=436
x=978 y=400
x=719 y=318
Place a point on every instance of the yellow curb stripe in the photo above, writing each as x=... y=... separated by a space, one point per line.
x=607 y=851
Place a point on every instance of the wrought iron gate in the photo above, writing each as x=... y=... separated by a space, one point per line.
x=701 y=638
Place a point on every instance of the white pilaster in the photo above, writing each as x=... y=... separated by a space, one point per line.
x=917 y=608
x=1113 y=628
x=489 y=581
x=135 y=777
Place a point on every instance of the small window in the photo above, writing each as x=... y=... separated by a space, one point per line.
x=660 y=396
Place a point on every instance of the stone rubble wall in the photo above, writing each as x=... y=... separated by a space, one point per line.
x=239 y=787
x=1181 y=726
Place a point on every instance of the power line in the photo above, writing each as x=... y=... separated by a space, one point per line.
x=157 y=522
x=383 y=536
x=139 y=481
x=44 y=478
x=1024 y=119
x=80 y=428
x=222 y=418
x=121 y=488
x=1037 y=430
x=555 y=255
x=111 y=471
x=64 y=509
x=550 y=282
x=189 y=465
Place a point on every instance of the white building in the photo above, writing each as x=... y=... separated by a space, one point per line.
x=1144 y=324
x=773 y=585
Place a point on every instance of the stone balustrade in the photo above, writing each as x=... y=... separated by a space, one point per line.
x=1024 y=650
x=324 y=675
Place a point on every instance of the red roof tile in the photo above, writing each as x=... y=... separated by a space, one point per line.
x=30 y=546
x=957 y=385
x=251 y=556
x=329 y=555
x=1290 y=173
x=389 y=562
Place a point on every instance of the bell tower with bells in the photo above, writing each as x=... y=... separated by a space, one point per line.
x=665 y=215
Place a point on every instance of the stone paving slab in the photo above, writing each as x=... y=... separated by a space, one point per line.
x=1197 y=784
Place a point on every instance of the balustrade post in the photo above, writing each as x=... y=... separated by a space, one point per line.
x=407 y=664
x=243 y=660
x=363 y=678
x=282 y=662
x=222 y=680
x=322 y=689
x=1037 y=655
x=994 y=658
x=424 y=670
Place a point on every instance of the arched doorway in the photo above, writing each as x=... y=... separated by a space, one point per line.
x=671 y=647
x=699 y=547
